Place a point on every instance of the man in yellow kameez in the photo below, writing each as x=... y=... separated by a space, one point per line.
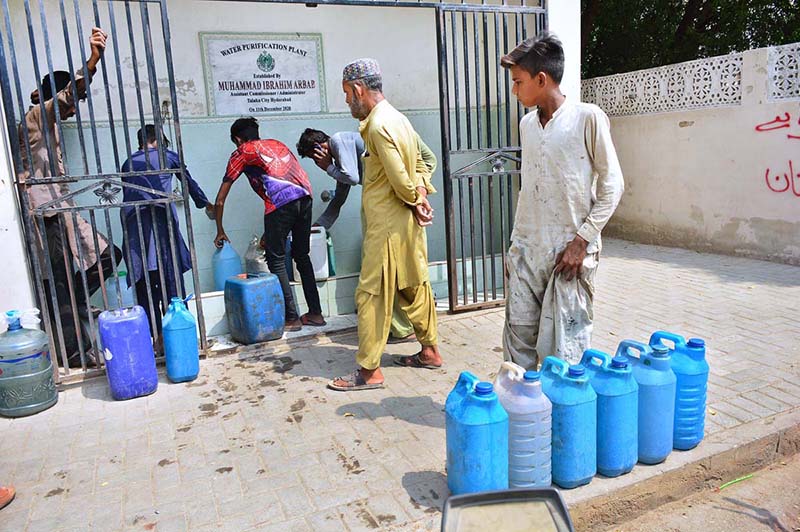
x=394 y=257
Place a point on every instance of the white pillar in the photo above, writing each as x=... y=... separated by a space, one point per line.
x=16 y=287
x=564 y=19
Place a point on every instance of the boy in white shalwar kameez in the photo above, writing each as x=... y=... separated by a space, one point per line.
x=571 y=184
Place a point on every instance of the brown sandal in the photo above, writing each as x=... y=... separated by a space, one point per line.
x=353 y=382
x=414 y=361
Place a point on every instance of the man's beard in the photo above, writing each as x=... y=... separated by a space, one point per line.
x=358 y=109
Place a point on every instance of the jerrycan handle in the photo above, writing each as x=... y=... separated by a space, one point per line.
x=626 y=345
x=595 y=357
x=555 y=365
x=511 y=371
x=676 y=339
x=467 y=381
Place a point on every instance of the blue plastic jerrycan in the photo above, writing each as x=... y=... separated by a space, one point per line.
x=180 y=342
x=254 y=307
x=574 y=444
x=617 y=411
x=656 y=382
x=688 y=362
x=128 y=352
x=529 y=426
x=226 y=263
x=477 y=438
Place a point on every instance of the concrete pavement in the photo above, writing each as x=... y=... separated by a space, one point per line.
x=258 y=443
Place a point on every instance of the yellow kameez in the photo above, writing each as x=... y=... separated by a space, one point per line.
x=394 y=252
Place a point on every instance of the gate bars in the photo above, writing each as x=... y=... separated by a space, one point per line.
x=97 y=177
x=479 y=123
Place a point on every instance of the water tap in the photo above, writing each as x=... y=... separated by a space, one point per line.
x=327 y=195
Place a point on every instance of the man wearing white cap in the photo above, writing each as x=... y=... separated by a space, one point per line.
x=394 y=251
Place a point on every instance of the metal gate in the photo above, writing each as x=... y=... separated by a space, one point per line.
x=480 y=143
x=67 y=228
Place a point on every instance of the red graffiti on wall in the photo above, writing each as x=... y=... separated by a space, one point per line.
x=779 y=122
x=781 y=182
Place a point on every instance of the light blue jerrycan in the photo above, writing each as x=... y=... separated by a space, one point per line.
x=226 y=263
x=574 y=442
x=656 y=398
x=688 y=362
x=617 y=411
x=477 y=438
x=529 y=434
x=180 y=342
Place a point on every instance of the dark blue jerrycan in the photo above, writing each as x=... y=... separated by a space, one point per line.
x=688 y=362
x=477 y=438
x=656 y=398
x=180 y=342
x=617 y=412
x=574 y=444
x=128 y=352
x=254 y=307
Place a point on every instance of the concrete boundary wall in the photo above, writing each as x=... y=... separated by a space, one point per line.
x=710 y=150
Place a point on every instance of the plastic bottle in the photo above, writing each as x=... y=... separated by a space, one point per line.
x=529 y=434
x=617 y=411
x=26 y=370
x=688 y=362
x=477 y=442
x=656 y=398
x=180 y=342
x=574 y=442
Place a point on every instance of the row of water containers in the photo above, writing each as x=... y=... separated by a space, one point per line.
x=566 y=423
x=26 y=368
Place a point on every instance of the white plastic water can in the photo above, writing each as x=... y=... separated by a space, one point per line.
x=529 y=428
x=319 y=252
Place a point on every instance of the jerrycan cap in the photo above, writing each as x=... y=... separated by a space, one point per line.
x=576 y=370
x=697 y=343
x=484 y=388
x=660 y=350
x=532 y=376
x=620 y=362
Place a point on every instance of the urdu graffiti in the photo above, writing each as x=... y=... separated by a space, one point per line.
x=786 y=177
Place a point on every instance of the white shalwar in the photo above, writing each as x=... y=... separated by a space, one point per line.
x=571 y=184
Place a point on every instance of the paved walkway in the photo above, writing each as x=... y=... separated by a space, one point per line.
x=258 y=443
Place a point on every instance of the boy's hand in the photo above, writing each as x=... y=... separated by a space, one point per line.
x=570 y=261
x=220 y=238
x=322 y=157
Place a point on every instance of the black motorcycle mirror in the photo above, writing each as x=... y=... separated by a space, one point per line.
x=517 y=510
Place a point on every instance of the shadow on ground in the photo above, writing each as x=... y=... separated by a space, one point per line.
x=427 y=490
x=762 y=515
x=419 y=410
